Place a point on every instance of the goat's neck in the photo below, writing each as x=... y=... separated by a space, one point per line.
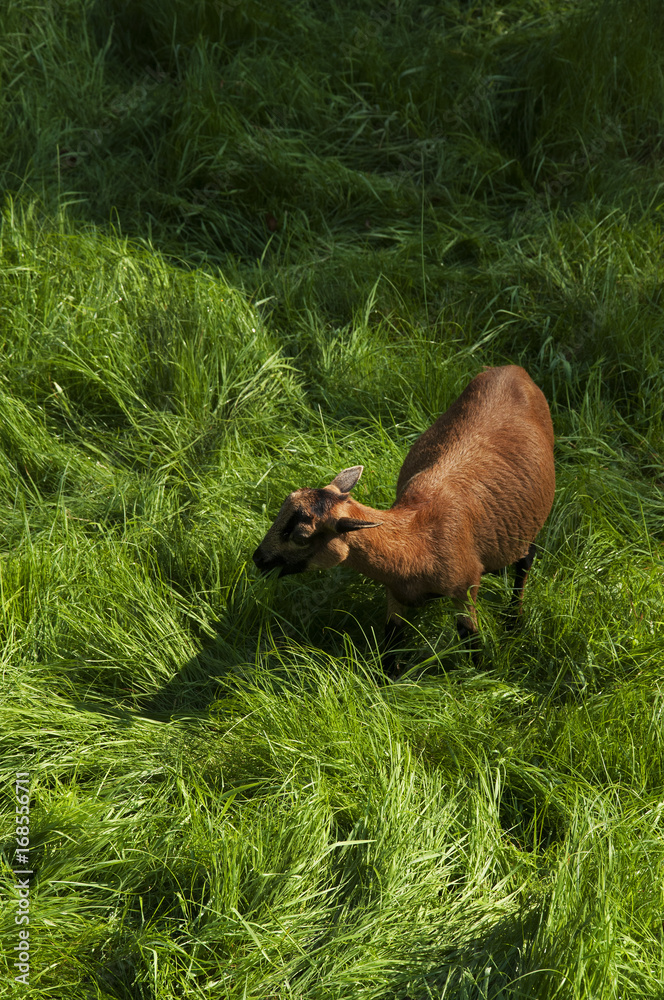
x=385 y=553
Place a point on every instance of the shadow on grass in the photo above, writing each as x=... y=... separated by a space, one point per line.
x=270 y=624
x=191 y=691
x=206 y=677
x=499 y=959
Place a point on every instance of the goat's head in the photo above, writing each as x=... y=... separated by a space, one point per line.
x=308 y=532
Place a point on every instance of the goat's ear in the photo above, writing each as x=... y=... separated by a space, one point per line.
x=345 y=481
x=353 y=524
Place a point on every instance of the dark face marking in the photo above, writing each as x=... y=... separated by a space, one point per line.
x=323 y=500
x=297 y=517
x=291 y=551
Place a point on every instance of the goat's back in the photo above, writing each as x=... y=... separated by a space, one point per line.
x=487 y=462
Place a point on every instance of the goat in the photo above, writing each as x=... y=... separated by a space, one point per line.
x=472 y=495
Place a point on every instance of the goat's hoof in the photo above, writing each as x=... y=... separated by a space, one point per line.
x=512 y=621
x=392 y=668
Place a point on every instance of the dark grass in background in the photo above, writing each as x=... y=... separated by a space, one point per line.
x=243 y=246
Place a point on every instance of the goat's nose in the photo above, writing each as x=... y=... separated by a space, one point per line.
x=259 y=560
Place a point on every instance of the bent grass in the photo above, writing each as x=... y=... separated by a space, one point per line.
x=324 y=223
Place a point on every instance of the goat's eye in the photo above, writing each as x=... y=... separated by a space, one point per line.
x=299 y=540
x=297 y=529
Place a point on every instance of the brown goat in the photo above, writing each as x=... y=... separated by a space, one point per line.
x=472 y=494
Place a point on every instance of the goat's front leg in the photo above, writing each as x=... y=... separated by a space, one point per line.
x=397 y=617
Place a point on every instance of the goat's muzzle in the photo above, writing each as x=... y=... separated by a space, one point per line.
x=264 y=564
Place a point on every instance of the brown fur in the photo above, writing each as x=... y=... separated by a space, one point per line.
x=472 y=494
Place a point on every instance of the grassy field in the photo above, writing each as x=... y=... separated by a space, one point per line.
x=246 y=244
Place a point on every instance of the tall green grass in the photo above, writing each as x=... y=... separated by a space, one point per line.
x=242 y=247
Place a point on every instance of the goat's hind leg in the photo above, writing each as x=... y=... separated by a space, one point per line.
x=521 y=570
x=467 y=622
